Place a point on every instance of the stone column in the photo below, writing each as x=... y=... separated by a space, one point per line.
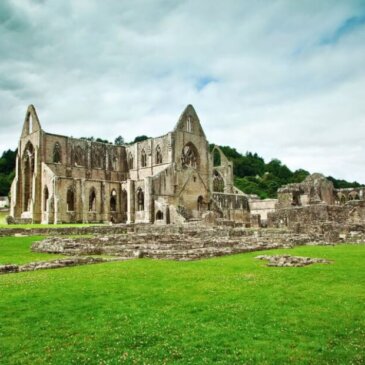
x=148 y=200
x=130 y=203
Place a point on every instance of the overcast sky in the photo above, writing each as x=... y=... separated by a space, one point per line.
x=285 y=79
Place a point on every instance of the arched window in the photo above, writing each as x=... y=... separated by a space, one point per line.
x=216 y=158
x=57 y=153
x=92 y=200
x=45 y=199
x=218 y=182
x=79 y=156
x=190 y=156
x=200 y=203
x=28 y=170
x=130 y=160
x=159 y=216
x=113 y=201
x=70 y=200
x=158 y=155
x=140 y=199
x=143 y=158
x=189 y=125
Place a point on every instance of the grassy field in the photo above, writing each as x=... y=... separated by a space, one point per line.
x=16 y=250
x=228 y=310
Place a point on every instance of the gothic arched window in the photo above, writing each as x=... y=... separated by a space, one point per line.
x=57 y=153
x=158 y=155
x=70 y=200
x=218 y=182
x=130 y=160
x=143 y=158
x=45 y=198
x=140 y=199
x=190 y=156
x=113 y=201
x=92 y=200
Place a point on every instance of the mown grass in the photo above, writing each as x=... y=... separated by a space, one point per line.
x=16 y=250
x=228 y=310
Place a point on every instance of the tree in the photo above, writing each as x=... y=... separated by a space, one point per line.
x=119 y=141
x=140 y=138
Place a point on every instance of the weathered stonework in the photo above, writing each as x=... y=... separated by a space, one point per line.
x=168 y=179
x=291 y=261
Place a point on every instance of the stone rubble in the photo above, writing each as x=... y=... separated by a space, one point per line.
x=55 y=264
x=291 y=261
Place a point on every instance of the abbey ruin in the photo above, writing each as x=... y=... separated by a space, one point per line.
x=162 y=180
x=174 y=179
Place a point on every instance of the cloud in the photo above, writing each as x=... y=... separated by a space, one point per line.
x=284 y=79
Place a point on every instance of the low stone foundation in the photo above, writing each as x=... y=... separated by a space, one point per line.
x=177 y=243
x=291 y=261
x=55 y=264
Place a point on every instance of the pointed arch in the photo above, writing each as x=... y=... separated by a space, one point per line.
x=28 y=162
x=140 y=199
x=113 y=201
x=92 y=200
x=70 y=200
x=158 y=155
x=218 y=182
x=190 y=156
x=130 y=161
x=45 y=198
x=143 y=158
x=57 y=156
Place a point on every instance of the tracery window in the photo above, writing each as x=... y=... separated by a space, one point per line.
x=218 y=182
x=190 y=156
x=79 y=156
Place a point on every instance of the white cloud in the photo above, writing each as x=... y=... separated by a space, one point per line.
x=258 y=73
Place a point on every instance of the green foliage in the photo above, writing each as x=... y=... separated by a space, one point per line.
x=140 y=139
x=226 y=310
x=7 y=167
x=342 y=184
x=119 y=141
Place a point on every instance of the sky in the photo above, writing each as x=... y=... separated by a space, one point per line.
x=284 y=79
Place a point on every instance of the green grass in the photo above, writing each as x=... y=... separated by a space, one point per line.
x=228 y=310
x=16 y=250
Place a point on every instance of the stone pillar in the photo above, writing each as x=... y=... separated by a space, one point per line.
x=130 y=203
x=56 y=199
x=148 y=201
x=83 y=211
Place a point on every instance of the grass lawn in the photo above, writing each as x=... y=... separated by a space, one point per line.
x=227 y=310
x=16 y=250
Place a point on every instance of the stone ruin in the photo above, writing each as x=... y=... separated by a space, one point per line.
x=291 y=261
